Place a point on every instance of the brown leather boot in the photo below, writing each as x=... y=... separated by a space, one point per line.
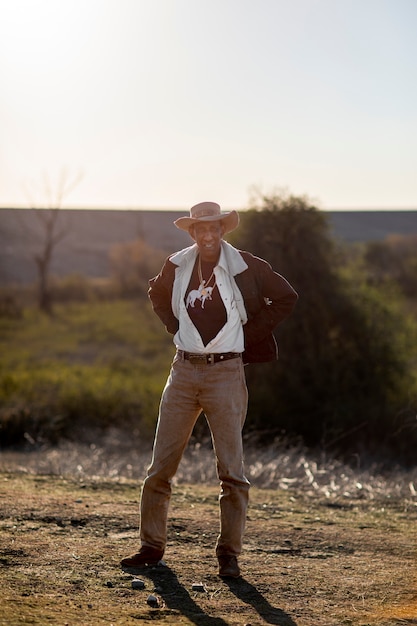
x=145 y=556
x=228 y=566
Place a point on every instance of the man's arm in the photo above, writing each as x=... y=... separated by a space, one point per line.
x=272 y=303
x=160 y=294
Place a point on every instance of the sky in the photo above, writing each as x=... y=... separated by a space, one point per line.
x=166 y=103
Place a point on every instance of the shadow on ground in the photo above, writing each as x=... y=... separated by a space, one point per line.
x=177 y=598
x=249 y=594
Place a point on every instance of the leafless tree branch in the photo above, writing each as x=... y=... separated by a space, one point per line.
x=52 y=230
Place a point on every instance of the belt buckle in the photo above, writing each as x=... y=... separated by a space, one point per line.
x=198 y=359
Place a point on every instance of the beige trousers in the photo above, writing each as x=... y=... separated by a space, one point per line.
x=220 y=391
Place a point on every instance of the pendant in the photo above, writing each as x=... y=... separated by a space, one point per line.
x=202 y=293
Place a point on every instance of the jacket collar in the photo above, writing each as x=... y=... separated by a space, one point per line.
x=230 y=258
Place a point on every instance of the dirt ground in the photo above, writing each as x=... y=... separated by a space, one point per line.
x=307 y=561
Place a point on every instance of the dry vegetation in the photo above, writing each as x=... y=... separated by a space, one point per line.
x=325 y=545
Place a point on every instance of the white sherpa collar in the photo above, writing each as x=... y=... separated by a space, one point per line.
x=230 y=258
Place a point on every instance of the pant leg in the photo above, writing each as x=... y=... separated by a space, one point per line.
x=224 y=402
x=178 y=412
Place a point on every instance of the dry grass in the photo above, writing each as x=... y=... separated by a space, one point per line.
x=274 y=467
x=324 y=546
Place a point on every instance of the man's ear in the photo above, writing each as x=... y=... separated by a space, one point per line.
x=191 y=231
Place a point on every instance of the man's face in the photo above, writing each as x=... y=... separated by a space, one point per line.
x=208 y=236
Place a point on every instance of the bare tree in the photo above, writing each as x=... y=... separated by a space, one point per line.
x=53 y=230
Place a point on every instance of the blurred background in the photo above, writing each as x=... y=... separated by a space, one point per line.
x=115 y=118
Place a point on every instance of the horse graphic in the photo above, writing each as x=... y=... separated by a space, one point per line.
x=202 y=294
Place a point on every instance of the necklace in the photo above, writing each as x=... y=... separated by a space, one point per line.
x=204 y=290
x=204 y=284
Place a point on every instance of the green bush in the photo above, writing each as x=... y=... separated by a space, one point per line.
x=394 y=259
x=90 y=367
x=346 y=378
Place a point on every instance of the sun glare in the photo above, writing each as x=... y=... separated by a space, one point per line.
x=39 y=36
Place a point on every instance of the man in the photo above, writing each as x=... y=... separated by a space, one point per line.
x=221 y=305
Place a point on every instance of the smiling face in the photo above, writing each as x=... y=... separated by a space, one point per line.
x=208 y=237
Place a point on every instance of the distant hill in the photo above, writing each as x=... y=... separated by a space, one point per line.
x=91 y=233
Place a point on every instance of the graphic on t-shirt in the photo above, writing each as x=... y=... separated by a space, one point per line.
x=202 y=293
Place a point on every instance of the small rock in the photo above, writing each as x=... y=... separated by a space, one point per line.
x=109 y=584
x=152 y=601
x=284 y=550
x=137 y=583
x=198 y=587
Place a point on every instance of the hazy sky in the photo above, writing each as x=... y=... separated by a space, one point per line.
x=164 y=103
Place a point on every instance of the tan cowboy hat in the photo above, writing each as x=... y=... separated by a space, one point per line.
x=208 y=212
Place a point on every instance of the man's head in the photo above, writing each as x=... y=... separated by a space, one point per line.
x=207 y=225
x=208 y=237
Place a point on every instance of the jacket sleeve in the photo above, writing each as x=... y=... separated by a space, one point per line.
x=269 y=300
x=160 y=294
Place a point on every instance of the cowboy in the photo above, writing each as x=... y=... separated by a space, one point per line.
x=236 y=301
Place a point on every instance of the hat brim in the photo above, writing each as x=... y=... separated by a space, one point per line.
x=230 y=221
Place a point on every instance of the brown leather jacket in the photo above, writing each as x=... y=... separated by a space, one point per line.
x=268 y=298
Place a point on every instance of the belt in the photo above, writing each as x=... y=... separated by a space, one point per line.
x=208 y=359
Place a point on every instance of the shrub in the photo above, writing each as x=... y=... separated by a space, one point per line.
x=345 y=378
x=90 y=367
x=132 y=264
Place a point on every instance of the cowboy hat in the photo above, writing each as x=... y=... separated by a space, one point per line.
x=208 y=212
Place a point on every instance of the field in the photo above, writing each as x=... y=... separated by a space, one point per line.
x=327 y=543
x=308 y=560
x=90 y=366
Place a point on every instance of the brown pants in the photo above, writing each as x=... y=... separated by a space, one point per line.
x=220 y=391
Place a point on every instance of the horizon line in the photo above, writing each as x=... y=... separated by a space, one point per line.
x=173 y=209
